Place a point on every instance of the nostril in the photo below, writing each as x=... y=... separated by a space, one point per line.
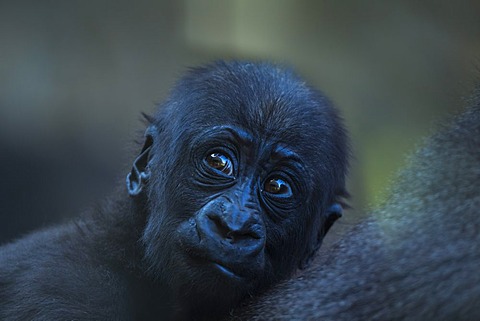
x=242 y=235
x=230 y=236
x=218 y=226
x=255 y=231
x=235 y=236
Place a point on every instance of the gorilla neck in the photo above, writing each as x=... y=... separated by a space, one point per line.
x=111 y=233
x=114 y=232
x=117 y=229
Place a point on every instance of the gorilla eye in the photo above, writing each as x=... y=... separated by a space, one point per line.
x=221 y=163
x=277 y=186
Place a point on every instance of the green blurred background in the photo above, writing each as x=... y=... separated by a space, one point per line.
x=75 y=75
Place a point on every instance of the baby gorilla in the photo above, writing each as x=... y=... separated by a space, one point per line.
x=241 y=175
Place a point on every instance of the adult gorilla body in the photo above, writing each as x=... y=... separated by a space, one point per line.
x=417 y=258
x=241 y=174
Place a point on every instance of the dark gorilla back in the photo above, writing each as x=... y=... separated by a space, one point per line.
x=416 y=258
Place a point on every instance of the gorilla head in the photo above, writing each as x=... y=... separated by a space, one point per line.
x=241 y=175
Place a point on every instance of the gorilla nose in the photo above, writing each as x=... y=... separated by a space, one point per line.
x=237 y=233
x=233 y=231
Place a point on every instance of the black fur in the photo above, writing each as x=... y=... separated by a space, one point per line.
x=416 y=258
x=194 y=238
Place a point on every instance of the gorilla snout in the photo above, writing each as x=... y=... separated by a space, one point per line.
x=230 y=229
x=227 y=238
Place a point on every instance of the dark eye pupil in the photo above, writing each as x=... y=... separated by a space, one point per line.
x=220 y=162
x=276 y=186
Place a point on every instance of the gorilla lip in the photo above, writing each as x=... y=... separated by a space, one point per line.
x=226 y=271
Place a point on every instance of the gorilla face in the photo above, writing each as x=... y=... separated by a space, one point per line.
x=244 y=168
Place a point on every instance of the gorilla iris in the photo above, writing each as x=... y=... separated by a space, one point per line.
x=241 y=174
x=416 y=258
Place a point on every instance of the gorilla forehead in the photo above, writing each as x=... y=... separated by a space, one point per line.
x=262 y=98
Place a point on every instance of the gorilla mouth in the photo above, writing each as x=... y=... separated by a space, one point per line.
x=226 y=271
x=220 y=268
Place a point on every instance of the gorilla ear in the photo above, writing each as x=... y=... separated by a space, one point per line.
x=140 y=172
x=334 y=212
